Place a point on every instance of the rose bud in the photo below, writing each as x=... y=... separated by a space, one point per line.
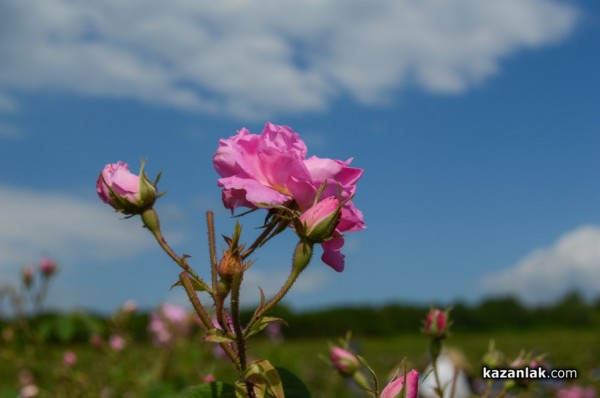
x=319 y=222
x=395 y=387
x=126 y=192
x=48 y=267
x=27 y=276
x=344 y=361
x=436 y=323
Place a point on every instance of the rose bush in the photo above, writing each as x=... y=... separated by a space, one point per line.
x=271 y=170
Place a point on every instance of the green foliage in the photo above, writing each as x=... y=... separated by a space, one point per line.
x=210 y=390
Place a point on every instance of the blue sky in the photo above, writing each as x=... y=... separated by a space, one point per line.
x=477 y=124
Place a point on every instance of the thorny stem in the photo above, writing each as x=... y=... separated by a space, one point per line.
x=150 y=219
x=204 y=317
x=237 y=327
x=210 y=224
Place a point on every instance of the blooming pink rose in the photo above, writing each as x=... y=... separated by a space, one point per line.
x=394 y=387
x=271 y=169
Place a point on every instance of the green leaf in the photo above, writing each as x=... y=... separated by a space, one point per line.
x=262 y=373
x=292 y=385
x=218 y=336
x=210 y=390
x=198 y=285
x=262 y=323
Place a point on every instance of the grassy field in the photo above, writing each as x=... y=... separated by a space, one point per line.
x=147 y=371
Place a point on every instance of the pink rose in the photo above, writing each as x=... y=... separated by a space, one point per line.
x=394 y=387
x=69 y=358
x=48 y=267
x=344 y=361
x=27 y=276
x=169 y=323
x=126 y=192
x=576 y=391
x=319 y=222
x=116 y=342
x=436 y=323
x=271 y=169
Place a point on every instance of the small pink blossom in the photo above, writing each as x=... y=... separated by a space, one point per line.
x=168 y=323
x=394 y=387
x=436 y=323
x=29 y=391
x=27 y=276
x=116 y=342
x=48 y=267
x=274 y=332
x=344 y=361
x=69 y=358
x=96 y=341
x=576 y=391
x=209 y=378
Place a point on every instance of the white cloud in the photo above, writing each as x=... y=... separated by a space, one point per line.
x=39 y=223
x=573 y=261
x=253 y=58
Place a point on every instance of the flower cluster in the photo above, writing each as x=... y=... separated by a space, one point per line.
x=271 y=170
x=168 y=323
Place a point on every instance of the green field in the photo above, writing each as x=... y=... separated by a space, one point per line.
x=142 y=370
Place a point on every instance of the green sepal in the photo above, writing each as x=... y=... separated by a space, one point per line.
x=302 y=255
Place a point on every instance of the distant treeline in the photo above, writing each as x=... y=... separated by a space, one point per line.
x=493 y=314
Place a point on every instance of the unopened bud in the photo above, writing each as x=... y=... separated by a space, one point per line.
x=27 y=276
x=126 y=192
x=48 y=267
x=230 y=264
x=319 y=222
x=436 y=324
x=344 y=361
